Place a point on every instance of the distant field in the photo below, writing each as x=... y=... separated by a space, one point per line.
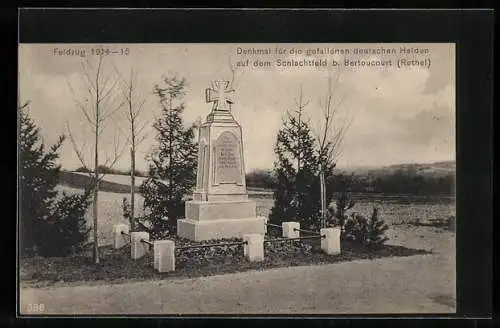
x=120 y=184
x=82 y=180
x=118 y=178
x=394 y=212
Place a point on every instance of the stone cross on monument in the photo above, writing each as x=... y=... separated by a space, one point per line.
x=220 y=96
x=220 y=207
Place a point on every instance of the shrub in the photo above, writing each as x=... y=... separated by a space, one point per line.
x=376 y=230
x=355 y=230
x=140 y=222
x=82 y=169
x=362 y=233
x=260 y=179
x=337 y=215
x=66 y=231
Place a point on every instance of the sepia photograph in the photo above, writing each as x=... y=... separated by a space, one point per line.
x=236 y=179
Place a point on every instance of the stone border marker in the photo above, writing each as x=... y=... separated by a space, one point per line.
x=289 y=229
x=137 y=248
x=254 y=247
x=164 y=255
x=120 y=240
x=331 y=243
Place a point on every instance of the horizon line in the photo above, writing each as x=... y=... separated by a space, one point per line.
x=271 y=168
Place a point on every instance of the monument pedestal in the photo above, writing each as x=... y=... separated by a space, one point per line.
x=220 y=219
x=220 y=207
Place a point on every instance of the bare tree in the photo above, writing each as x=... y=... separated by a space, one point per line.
x=333 y=126
x=134 y=104
x=98 y=104
x=330 y=132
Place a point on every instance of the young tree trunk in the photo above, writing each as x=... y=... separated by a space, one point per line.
x=135 y=107
x=170 y=150
x=323 y=197
x=96 y=194
x=132 y=186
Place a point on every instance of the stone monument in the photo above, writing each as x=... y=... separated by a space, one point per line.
x=220 y=207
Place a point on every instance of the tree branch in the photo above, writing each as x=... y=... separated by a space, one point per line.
x=112 y=112
x=117 y=156
x=78 y=152
x=146 y=123
x=139 y=108
x=26 y=104
x=111 y=89
x=328 y=135
x=141 y=140
x=80 y=105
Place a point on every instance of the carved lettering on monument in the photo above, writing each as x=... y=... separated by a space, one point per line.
x=228 y=159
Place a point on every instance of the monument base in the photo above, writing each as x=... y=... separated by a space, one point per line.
x=219 y=229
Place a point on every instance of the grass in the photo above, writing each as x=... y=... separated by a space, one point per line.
x=116 y=266
x=400 y=213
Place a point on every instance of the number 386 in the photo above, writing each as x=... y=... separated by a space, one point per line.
x=35 y=307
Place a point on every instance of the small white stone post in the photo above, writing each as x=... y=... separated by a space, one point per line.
x=290 y=229
x=138 y=249
x=164 y=255
x=331 y=243
x=119 y=239
x=254 y=247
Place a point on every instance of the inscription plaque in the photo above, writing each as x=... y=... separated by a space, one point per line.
x=228 y=160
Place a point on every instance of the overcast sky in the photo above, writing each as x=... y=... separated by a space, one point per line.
x=398 y=115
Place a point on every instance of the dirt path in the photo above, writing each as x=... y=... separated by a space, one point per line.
x=381 y=286
x=416 y=284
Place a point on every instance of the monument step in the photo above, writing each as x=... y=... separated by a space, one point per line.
x=219 y=229
x=215 y=210
x=220 y=197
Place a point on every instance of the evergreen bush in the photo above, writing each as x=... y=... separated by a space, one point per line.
x=49 y=226
x=172 y=163
x=365 y=233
